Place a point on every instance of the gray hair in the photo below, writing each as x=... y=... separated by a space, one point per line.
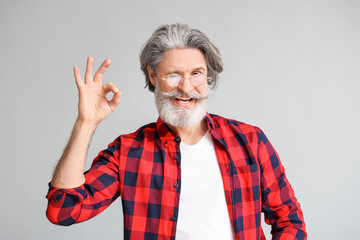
x=178 y=35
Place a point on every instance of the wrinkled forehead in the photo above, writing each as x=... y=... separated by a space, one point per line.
x=182 y=60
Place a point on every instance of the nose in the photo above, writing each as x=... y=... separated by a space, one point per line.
x=186 y=86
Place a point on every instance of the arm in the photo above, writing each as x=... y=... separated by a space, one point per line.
x=68 y=177
x=281 y=208
x=67 y=206
x=93 y=107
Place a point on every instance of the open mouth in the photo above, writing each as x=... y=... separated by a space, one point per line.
x=184 y=99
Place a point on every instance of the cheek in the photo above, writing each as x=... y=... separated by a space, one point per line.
x=164 y=87
x=202 y=90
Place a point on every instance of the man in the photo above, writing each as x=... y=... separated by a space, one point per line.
x=190 y=175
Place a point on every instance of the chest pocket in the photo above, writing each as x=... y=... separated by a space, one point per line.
x=247 y=189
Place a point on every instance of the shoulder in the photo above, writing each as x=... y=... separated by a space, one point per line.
x=226 y=124
x=141 y=133
x=244 y=133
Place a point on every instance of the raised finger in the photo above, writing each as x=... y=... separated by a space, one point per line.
x=89 y=70
x=78 y=80
x=100 y=72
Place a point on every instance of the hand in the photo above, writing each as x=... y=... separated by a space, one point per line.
x=93 y=104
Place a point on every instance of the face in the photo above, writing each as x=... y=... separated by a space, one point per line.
x=184 y=105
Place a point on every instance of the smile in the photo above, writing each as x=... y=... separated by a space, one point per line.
x=184 y=101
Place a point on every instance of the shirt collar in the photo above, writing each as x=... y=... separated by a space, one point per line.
x=212 y=126
x=166 y=134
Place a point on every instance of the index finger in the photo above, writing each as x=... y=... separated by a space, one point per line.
x=100 y=72
x=89 y=68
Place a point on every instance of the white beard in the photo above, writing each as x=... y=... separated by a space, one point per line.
x=180 y=116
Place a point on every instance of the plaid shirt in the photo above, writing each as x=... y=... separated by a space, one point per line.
x=144 y=168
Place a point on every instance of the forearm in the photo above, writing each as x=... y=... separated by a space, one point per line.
x=69 y=172
x=76 y=204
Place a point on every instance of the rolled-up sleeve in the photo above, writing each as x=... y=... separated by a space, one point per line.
x=101 y=188
x=281 y=208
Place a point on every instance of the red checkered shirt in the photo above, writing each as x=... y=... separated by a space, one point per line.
x=144 y=169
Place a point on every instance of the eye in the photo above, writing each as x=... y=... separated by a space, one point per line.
x=197 y=75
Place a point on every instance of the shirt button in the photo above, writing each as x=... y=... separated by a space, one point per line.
x=178 y=139
x=58 y=198
x=176 y=185
x=176 y=157
x=173 y=218
x=166 y=142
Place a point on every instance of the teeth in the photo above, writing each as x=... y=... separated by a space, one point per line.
x=183 y=99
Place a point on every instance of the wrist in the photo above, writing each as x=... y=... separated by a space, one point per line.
x=83 y=125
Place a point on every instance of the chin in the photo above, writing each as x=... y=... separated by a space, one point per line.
x=181 y=113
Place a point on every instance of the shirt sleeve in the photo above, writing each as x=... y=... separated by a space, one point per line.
x=281 y=208
x=101 y=188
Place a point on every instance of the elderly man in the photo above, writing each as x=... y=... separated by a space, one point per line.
x=191 y=174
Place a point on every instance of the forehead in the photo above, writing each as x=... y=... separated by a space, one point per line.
x=182 y=59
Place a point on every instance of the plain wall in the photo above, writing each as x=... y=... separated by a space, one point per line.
x=291 y=68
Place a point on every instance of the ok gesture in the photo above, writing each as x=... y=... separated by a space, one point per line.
x=93 y=105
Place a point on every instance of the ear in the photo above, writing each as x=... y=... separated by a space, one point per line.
x=151 y=75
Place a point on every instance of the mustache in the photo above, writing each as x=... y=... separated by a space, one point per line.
x=176 y=94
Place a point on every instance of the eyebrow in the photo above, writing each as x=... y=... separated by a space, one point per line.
x=194 y=70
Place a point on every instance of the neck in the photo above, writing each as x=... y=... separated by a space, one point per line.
x=193 y=134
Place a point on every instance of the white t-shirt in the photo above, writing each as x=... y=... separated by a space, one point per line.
x=203 y=212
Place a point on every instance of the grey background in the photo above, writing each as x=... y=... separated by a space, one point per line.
x=291 y=68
